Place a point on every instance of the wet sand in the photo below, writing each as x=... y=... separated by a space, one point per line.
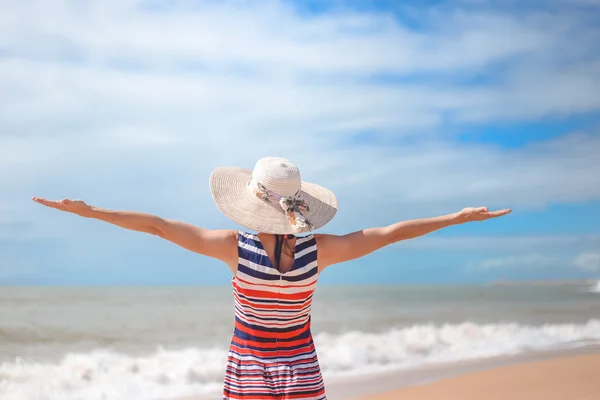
x=563 y=378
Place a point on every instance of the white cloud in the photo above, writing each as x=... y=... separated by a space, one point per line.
x=556 y=257
x=265 y=35
x=588 y=261
x=126 y=106
x=514 y=243
x=527 y=261
x=218 y=59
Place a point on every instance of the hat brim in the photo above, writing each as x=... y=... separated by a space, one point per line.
x=231 y=192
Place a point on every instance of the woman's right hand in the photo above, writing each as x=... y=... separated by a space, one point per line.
x=77 y=207
x=219 y=244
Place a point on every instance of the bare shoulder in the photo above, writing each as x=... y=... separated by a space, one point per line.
x=332 y=243
x=215 y=243
x=222 y=243
x=329 y=242
x=227 y=235
x=328 y=247
x=334 y=249
x=322 y=240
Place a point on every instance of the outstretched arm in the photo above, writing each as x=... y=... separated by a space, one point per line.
x=219 y=244
x=334 y=249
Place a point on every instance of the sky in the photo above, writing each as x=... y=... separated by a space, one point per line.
x=404 y=109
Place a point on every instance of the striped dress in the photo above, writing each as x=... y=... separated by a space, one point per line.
x=272 y=354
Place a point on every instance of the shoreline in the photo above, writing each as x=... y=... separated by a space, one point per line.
x=560 y=378
x=361 y=387
x=395 y=383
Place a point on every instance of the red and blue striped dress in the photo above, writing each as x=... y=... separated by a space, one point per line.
x=272 y=354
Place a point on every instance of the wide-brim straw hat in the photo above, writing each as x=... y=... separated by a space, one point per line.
x=272 y=198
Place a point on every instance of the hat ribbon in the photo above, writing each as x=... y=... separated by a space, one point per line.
x=294 y=207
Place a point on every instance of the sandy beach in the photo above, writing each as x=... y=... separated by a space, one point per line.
x=563 y=378
x=570 y=374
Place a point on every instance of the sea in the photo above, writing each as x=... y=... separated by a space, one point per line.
x=148 y=343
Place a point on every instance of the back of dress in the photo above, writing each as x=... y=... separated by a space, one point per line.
x=272 y=354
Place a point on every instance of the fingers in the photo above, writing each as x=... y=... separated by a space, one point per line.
x=498 y=213
x=51 y=203
x=45 y=202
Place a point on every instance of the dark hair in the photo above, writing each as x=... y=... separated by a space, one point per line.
x=279 y=248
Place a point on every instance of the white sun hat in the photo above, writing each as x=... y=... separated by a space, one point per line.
x=272 y=198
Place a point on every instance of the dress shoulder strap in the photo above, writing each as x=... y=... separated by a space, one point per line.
x=250 y=249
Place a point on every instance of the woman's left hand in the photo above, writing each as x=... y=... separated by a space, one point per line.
x=471 y=214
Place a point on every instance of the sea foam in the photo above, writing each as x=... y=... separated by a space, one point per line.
x=107 y=375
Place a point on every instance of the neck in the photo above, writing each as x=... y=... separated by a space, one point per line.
x=282 y=246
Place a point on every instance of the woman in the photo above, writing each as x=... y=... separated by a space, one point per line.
x=272 y=354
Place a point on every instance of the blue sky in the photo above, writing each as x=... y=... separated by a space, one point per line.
x=405 y=110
